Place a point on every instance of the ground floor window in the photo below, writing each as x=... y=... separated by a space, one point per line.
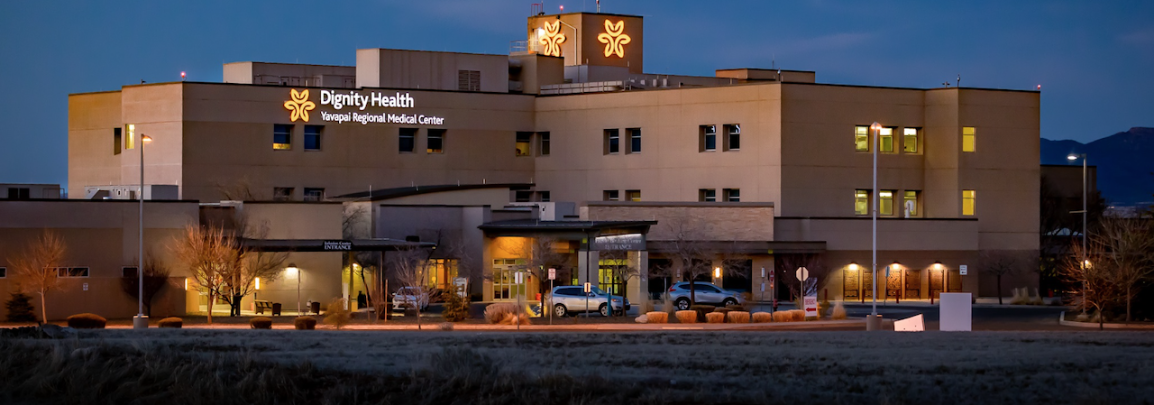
x=505 y=286
x=441 y=273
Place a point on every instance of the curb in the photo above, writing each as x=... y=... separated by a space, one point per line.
x=1062 y=321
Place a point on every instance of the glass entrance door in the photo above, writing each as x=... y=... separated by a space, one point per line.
x=505 y=285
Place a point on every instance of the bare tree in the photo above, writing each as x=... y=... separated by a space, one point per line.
x=814 y=263
x=155 y=279
x=411 y=267
x=355 y=221
x=1003 y=263
x=36 y=268
x=1128 y=254
x=689 y=255
x=237 y=189
x=239 y=278
x=620 y=268
x=206 y=252
x=540 y=254
x=1093 y=286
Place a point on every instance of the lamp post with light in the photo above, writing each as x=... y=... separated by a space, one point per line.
x=1085 y=258
x=873 y=322
x=292 y=269
x=140 y=321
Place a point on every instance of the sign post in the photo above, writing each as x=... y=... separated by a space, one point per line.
x=552 y=276
x=773 y=289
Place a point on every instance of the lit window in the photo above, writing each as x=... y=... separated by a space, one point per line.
x=707 y=195
x=612 y=141
x=130 y=140
x=731 y=195
x=968 y=134
x=708 y=138
x=314 y=194
x=633 y=195
x=634 y=140
x=117 y=141
x=969 y=202
x=544 y=137
x=861 y=202
x=910 y=143
x=313 y=137
x=609 y=195
x=886 y=202
x=282 y=137
x=282 y=193
x=733 y=137
x=407 y=140
x=436 y=141
x=887 y=140
x=861 y=138
x=524 y=143
x=911 y=203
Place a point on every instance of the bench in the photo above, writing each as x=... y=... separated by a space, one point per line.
x=260 y=306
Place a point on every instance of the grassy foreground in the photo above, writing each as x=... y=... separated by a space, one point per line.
x=349 y=367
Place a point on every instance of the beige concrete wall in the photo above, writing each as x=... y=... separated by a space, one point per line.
x=406 y=69
x=157 y=111
x=92 y=118
x=100 y=235
x=538 y=70
x=893 y=234
x=494 y=197
x=670 y=166
x=291 y=74
x=704 y=221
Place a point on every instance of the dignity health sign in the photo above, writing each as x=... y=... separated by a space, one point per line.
x=299 y=105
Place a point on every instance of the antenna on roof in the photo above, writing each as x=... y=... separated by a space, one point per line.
x=959 y=80
x=598 y=6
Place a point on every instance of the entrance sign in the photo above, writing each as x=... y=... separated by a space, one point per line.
x=338 y=245
x=956 y=312
x=810 y=306
x=627 y=242
x=912 y=324
x=962 y=269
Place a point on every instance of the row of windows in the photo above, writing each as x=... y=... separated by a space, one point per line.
x=287 y=194
x=524 y=143
x=614 y=195
x=612 y=144
x=707 y=138
x=727 y=195
x=910 y=202
x=527 y=196
x=282 y=137
x=910 y=139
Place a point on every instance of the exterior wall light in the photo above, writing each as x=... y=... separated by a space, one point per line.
x=716 y=272
x=853 y=266
x=258 y=283
x=937 y=265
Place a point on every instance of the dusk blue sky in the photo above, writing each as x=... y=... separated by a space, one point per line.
x=1094 y=60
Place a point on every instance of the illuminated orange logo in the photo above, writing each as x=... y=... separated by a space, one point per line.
x=614 y=38
x=299 y=106
x=552 y=39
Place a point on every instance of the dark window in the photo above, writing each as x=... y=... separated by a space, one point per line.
x=128 y=272
x=313 y=137
x=612 y=141
x=19 y=193
x=634 y=140
x=544 y=137
x=732 y=195
x=314 y=194
x=71 y=272
x=524 y=143
x=117 y=139
x=282 y=137
x=708 y=142
x=543 y=196
x=407 y=139
x=610 y=195
x=707 y=195
x=522 y=196
x=733 y=137
x=436 y=141
x=469 y=80
x=3 y=272
x=282 y=193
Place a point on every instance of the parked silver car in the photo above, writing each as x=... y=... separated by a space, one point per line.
x=705 y=293
x=572 y=299
x=409 y=297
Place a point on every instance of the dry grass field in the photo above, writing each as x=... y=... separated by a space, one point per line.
x=356 y=367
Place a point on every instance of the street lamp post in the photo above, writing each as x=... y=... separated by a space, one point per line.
x=1085 y=255
x=873 y=322
x=141 y=321
x=292 y=268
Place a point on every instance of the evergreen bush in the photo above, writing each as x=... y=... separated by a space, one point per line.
x=20 y=308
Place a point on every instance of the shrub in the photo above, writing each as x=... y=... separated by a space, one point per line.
x=782 y=316
x=171 y=322
x=822 y=308
x=86 y=321
x=797 y=315
x=747 y=302
x=701 y=311
x=715 y=317
x=456 y=308
x=686 y=316
x=657 y=317
x=506 y=313
x=260 y=322
x=762 y=317
x=336 y=314
x=646 y=306
x=737 y=317
x=305 y=323
x=20 y=308
x=446 y=326
x=838 y=311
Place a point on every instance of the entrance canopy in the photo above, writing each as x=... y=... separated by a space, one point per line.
x=332 y=245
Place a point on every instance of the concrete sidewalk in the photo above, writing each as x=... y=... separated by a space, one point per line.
x=615 y=327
